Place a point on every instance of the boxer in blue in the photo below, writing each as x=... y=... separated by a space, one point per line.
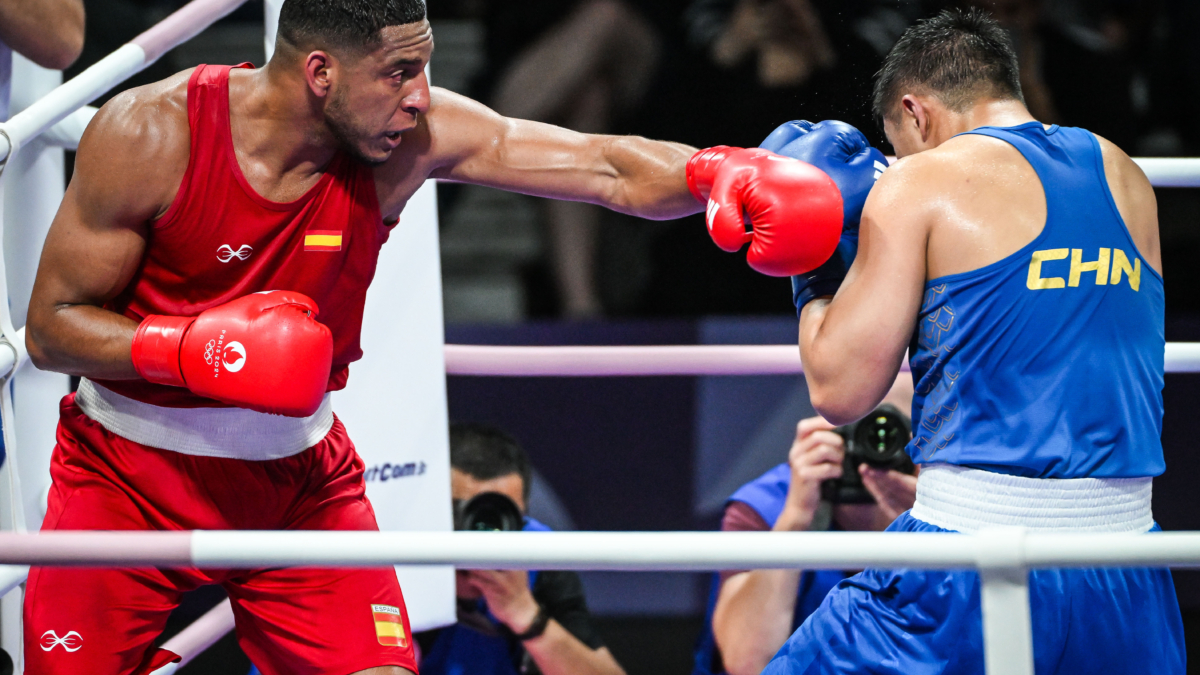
x=1019 y=265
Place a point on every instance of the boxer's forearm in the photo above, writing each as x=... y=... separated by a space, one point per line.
x=470 y=144
x=753 y=618
x=81 y=340
x=649 y=178
x=846 y=376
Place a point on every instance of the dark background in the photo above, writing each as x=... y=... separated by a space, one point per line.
x=651 y=453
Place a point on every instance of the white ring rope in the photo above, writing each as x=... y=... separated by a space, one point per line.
x=110 y=71
x=619 y=551
x=1181 y=357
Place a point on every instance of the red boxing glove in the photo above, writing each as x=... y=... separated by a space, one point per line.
x=794 y=208
x=264 y=352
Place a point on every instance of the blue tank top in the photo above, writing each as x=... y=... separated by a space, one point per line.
x=1047 y=363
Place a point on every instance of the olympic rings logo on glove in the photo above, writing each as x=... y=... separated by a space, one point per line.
x=208 y=351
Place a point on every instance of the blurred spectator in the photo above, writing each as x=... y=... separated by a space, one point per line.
x=786 y=37
x=1022 y=20
x=579 y=65
x=752 y=613
x=1088 y=65
x=510 y=621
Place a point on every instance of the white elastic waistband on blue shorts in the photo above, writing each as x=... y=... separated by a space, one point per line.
x=970 y=500
x=233 y=433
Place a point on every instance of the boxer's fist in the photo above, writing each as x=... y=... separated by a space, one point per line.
x=264 y=352
x=844 y=153
x=793 y=208
x=839 y=150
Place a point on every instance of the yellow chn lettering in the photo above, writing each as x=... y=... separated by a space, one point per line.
x=1109 y=267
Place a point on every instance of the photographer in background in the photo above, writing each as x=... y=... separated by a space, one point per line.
x=509 y=621
x=752 y=613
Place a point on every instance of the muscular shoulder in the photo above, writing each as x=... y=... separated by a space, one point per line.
x=903 y=195
x=442 y=137
x=459 y=125
x=963 y=173
x=139 y=141
x=152 y=115
x=1135 y=200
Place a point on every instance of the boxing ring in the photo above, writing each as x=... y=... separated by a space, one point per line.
x=1003 y=557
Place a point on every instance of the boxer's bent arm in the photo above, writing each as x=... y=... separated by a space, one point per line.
x=472 y=144
x=47 y=32
x=852 y=346
x=129 y=164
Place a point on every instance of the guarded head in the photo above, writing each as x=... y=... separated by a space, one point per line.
x=364 y=61
x=940 y=67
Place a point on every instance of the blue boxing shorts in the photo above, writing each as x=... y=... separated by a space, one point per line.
x=922 y=622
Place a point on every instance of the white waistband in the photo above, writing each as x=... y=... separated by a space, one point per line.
x=969 y=500
x=234 y=433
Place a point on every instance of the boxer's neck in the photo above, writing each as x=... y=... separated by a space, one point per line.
x=275 y=121
x=947 y=124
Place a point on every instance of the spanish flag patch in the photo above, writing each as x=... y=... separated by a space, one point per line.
x=389 y=627
x=323 y=240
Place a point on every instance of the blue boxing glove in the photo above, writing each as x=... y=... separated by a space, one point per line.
x=844 y=153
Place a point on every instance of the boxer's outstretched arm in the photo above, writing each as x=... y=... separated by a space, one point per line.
x=852 y=346
x=472 y=144
x=129 y=165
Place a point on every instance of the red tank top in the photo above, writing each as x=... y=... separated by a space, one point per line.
x=220 y=240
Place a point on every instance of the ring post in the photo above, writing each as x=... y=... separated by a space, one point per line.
x=1004 y=602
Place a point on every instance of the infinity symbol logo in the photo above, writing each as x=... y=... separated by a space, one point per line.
x=72 y=641
x=226 y=253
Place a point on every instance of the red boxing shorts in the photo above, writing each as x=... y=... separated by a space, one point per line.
x=289 y=621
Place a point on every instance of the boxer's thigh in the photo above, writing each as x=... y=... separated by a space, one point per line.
x=89 y=621
x=317 y=621
x=906 y=622
x=93 y=620
x=322 y=621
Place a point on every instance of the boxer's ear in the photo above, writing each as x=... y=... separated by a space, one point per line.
x=317 y=72
x=914 y=112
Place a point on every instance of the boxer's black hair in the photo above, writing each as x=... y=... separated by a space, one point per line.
x=959 y=56
x=348 y=24
x=484 y=452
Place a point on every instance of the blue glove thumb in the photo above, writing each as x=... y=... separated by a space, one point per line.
x=784 y=134
x=842 y=152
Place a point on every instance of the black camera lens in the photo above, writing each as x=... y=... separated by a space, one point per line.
x=881 y=437
x=877 y=440
x=488 y=512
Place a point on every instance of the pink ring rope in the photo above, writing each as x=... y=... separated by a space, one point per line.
x=1181 y=357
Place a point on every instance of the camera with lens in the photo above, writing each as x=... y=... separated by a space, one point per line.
x=877 y=440
x=488 y=512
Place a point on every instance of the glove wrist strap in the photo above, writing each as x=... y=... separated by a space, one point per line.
x=806 y=291
x=156 y=346
x=702 y=170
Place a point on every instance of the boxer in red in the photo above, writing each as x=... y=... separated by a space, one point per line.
x=205 y=276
